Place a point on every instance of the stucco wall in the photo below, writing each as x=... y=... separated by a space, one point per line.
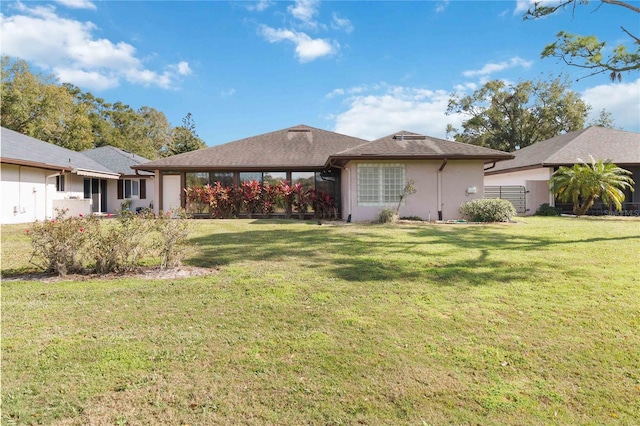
x=456 y=177
x=28 y=193
x=114 y=204
x=535 y=182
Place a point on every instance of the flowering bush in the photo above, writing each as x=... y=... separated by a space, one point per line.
x=67 y=245
x=58 y=244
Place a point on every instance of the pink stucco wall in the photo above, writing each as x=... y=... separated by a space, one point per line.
x=456 y=177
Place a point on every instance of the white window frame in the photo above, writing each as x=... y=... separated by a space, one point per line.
x=380 y=184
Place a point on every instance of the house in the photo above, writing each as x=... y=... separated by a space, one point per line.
x=130 y=188
x=529 y=171
x=362 y=177
x=38 y=177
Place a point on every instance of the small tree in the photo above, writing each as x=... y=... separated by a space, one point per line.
x=406 y=191
x=583 y=183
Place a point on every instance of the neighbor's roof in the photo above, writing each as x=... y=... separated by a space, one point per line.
x=619 y=146
x=404 y=145
x=23 y=150
x=116 y=159
x=296 y=147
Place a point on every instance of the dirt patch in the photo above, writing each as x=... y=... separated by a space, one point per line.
x=151 y=273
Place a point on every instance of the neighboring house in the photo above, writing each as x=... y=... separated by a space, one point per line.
x=532 y=166
x=133 y=187
x=38 y=177
x=363 y=177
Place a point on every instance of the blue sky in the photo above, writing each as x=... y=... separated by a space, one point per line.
x=366 y=69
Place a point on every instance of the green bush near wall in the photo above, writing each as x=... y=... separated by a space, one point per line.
x=488 y=210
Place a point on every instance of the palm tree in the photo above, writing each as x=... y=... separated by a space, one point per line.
x=583 y=183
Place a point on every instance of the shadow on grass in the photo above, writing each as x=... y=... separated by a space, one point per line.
x=442 y=255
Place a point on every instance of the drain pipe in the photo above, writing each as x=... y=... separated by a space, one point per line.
x=348 y=193
x=439 y=189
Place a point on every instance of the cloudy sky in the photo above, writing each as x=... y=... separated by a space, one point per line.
x=366 y=69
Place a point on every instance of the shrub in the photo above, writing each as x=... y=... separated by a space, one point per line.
x=387 y=216
x=548 y=210
x=67 y=245
x=170 y=242
x=488 y=210
x=58 y=244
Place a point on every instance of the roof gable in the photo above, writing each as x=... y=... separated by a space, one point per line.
x=291 y=148
x=410 y=145
x=618 y=146
x=21 y=149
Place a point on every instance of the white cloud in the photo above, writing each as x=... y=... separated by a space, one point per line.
x=394 y=108
x=77 y=4
x=307 y=48
x=622 y=100
x=441 y=6
x=305 y=11
x=227 y=93
x=338 y=23
x=68 y=47
x=491 y=68
x=259 y=6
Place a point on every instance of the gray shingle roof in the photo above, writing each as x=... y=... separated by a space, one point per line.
x=621 y=147
x=296 y=147
x=410 y=145
x=116 y=159
x=21 y=149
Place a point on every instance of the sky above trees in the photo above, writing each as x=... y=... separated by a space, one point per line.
x=362 y=68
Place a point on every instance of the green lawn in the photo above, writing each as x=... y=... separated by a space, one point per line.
x=532 y=323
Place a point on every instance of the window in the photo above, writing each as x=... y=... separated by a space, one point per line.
x=225 y=178
x=132 y=188
x=307 y=179
x=197 y=179
x=249 y=176
x=380 y=184
x=60 y=183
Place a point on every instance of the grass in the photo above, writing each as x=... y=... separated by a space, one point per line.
x=534 y=323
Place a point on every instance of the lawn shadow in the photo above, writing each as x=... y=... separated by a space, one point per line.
x=465 y=255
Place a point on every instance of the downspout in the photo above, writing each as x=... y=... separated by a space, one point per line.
x=348 y=193
x=439 y=189
x=490 y=167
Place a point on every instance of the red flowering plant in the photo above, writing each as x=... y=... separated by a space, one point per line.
x=301 y=199
x=251 y=197
x=287 y=194
x=323 y=205
x=269 y=199
x=197 y=198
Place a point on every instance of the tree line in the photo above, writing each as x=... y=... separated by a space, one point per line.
x=37 y=105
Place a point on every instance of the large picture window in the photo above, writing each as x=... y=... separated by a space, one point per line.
x=380 y=184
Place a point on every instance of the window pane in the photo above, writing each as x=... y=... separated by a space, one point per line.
x=305 y=178
x=249 y=176
x=368 y=184
x=134 y=188
x=225 y=178
x=127 y=188
x=326 y=186
x=393 y=183
x=87 y=189
x=274 y=178
x=197 y=179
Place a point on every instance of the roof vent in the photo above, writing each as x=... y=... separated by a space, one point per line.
x=413 y=137
x=300 y=130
